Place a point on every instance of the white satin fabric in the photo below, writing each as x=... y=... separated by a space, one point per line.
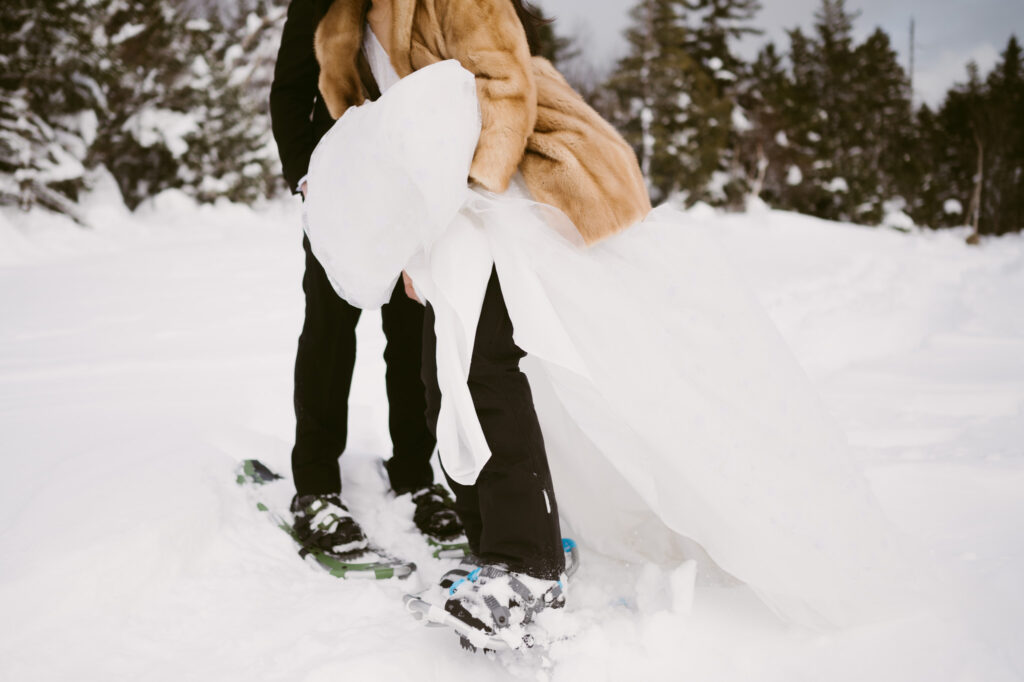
x=672 y=411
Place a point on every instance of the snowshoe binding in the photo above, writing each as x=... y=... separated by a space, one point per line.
x=435 y=518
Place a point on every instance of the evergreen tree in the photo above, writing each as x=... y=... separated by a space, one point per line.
x=931 y=201
x=878 y=161
x=1002 y=203
x=255 y=30
x=714 y=27
x=179 y=119
x=50 y=101
x=675 y=93
x=840 y=120
x=960 y=148
x=765 y=152
x=230 y=154
x=654 y=86
x=142 y=141
x=835 y=72
x=249 y=34
x=972 y=148
x=802 y=130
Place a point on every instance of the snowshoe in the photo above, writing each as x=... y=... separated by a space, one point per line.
x=490 y=608
x=321 y=530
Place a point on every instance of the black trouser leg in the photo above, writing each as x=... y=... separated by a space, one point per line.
x=323 y=376
x=413 y=441
x=509 y=514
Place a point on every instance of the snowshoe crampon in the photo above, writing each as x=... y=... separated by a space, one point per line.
x=371 y=563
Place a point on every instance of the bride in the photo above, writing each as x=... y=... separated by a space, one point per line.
x=584 y=344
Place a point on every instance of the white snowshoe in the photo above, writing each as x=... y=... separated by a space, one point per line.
x=491 y=608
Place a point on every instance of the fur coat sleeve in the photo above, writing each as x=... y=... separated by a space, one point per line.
x=485 y=36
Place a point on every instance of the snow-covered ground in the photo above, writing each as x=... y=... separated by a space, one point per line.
x=142 y=360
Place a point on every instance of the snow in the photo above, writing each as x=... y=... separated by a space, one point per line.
x=88 y=126
x=127 y=32
x=717 y=183
x=953 y=207
x=740 y=122
x=201 y=70
x=152 y=126
x=837 y=185
x=142 y=359
x=794 y=176
x=898 y=219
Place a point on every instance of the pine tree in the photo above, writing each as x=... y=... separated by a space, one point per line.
x=142 y=142
x=230 y=154
x=847 y=123
x=654 y=86
x=50 y=101
x=836 y=69
x=675 y=94
x=932 y=201
x=180 y=118
x=244 y=65
x=255 y=30
x=765 y=153
x=802 y=130
x=714 y=27
x=1002 y=205
x=878 y=155
x=959 y=148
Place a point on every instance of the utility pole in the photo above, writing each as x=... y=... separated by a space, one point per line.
x=913 y=48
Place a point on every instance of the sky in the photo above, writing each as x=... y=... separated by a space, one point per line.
x=949 y=32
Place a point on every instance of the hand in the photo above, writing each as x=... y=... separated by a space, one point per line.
x=302 y=188
x=410 y=291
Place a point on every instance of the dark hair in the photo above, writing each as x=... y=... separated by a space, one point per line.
x=532 y=23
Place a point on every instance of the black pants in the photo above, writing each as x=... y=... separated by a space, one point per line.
x=510 y=515
x=323 y=376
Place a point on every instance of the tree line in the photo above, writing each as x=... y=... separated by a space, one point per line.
x=171 y=94
x=826 y=127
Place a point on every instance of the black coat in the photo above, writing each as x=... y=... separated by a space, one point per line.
x=298 y=115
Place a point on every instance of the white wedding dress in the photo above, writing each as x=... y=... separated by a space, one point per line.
x=672 y=411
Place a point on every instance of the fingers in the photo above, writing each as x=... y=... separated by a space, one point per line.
x=410 y=290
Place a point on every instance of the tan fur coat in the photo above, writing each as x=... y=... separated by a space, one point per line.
x=531 y=119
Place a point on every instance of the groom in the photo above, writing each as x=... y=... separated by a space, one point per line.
x=327 y=346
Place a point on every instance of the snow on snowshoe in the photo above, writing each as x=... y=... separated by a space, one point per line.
x=331 y=539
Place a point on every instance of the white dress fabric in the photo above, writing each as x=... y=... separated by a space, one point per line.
x=675 y=417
